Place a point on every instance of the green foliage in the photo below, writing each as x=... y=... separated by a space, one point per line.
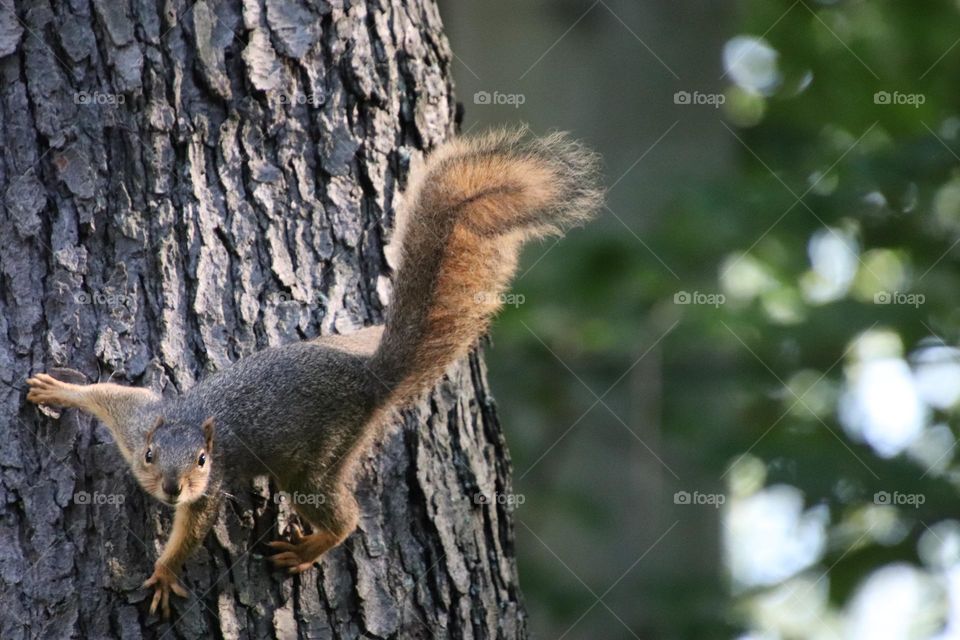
x=829 y=157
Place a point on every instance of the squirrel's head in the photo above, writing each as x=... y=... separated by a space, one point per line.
x=174 y=464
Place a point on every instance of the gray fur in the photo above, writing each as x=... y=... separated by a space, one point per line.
x=302 y=412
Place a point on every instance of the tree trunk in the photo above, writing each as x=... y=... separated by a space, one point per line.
x=182 y=184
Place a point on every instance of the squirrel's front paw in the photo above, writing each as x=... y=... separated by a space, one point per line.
x=45 y=389
x=164 y=581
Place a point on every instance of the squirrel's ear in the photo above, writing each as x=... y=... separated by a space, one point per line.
x=153 y=429
x=208 y=432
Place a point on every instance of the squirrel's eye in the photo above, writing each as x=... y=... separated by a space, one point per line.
x=149 y=456
x=202 y=459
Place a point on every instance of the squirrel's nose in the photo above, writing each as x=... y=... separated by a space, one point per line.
x=171 y=487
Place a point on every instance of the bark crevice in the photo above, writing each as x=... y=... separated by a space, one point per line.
x=182 y=184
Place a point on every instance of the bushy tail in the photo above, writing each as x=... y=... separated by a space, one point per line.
x=466 y=213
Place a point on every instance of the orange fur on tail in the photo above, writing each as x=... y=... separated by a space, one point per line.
x=466 y=213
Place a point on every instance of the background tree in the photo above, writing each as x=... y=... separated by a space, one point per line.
x=182 y=184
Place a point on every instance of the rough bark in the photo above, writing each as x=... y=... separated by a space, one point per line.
x=183 y=183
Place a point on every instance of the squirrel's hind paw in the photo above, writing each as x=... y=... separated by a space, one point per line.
x=300 y=554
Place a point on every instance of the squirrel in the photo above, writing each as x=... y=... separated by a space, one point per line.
x=303 y=413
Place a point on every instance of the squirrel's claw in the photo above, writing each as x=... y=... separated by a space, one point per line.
x=163 y=582
x=296 y=533
x=291 y=556
x=281 y=545
x=296 y=536
x=45 y=389
x=299 y=555
x=290 y=560
x=296 y=556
